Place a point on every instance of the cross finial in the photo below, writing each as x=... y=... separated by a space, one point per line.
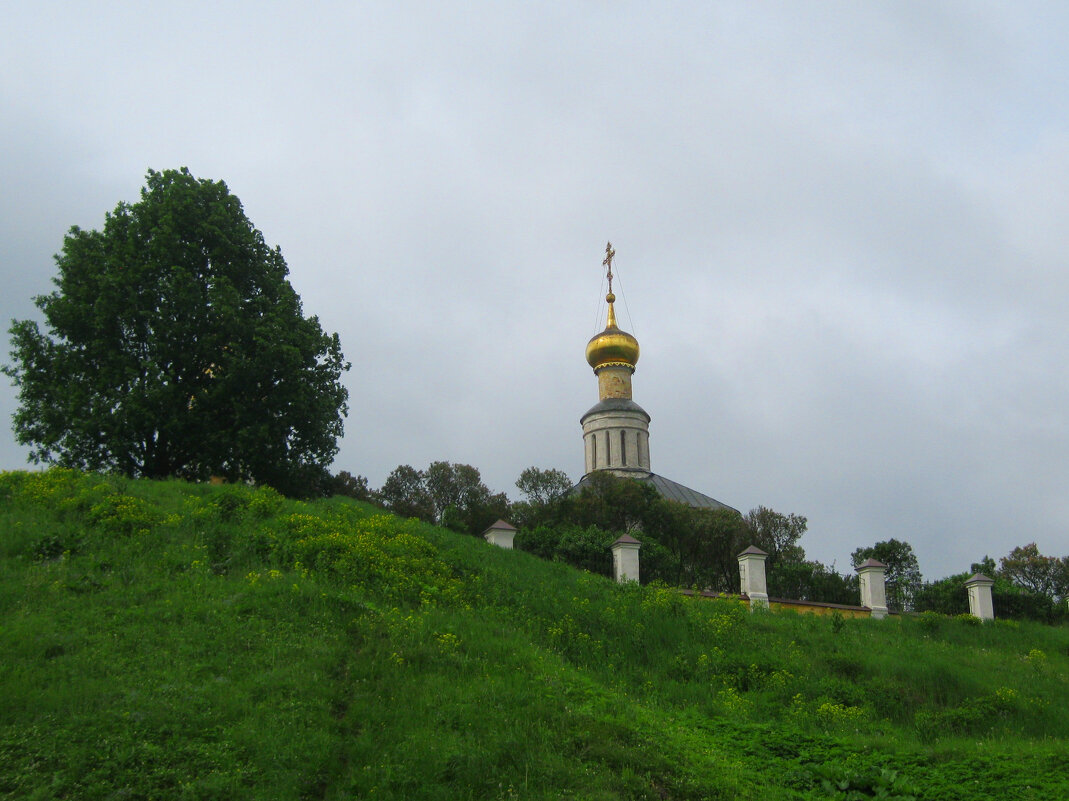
x=609 y=253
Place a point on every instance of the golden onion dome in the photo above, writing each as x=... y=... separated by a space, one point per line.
x=612 y=347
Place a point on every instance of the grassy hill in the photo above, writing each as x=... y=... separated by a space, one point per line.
x=168 y=640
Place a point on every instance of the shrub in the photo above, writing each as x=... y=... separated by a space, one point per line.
x=124 y=515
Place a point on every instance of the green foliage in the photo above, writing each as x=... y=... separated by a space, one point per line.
x=811 y=581
x=175 y=346
x=1026 y=567
x=776 y=534
x=123 y=515
x=350 y=486
x=374 y=554
x=853 y=785
x=542 y=541
x=610 y=503
x=1015 y=602
x=543 y=487
x=947 y=596
x=706 y=542
x=545 y=492
x=585 y=548
x=452 y=495
x=971 y=716
x=248 y=646
x=461 y=500
x=405 y=494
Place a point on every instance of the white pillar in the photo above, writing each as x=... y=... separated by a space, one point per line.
x=501 y=534
x=752 y=576
x=980 y=603
x=625 y=558
x=871 y=576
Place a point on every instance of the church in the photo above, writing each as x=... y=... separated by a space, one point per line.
x=616 y=430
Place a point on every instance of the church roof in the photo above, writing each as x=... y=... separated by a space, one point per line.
x=615 y=405
x=672 y=491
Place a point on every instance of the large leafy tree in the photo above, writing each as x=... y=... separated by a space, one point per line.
x=544 y=492
x=777 y=534
x=461 y=500
x=451 y=495
x=459 y=486
x=1026 y=567
x=404 y=493
x=175 y=346
x=543 y=487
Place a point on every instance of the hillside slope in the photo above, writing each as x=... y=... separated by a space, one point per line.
x=168 y=640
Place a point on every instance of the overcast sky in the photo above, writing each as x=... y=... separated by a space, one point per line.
x=841 y=230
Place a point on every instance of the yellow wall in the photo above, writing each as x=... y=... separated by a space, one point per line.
x=811 y=609
x=802 y=607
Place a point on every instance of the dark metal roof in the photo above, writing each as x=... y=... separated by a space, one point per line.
x=615 y=405
x=671 y=490
x=677 y=492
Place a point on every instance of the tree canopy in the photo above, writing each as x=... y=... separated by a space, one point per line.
x=405 y=494
x=1026 y=567
x=175 y=346
x=451 y=495
x=543 y=487
x=776 y=534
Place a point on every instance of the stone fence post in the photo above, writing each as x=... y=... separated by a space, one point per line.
x=980 y=603
x=501 y=534
x=625 y=558
x=752 y=576
x=871 y=578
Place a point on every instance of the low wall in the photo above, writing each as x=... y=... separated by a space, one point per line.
x=801 y=607
x=818 y=608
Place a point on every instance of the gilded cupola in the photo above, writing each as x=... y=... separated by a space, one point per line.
x=612 y=347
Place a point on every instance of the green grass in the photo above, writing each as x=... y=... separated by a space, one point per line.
x=168 y=640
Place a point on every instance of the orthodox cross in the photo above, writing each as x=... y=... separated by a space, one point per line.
x=609 y=253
